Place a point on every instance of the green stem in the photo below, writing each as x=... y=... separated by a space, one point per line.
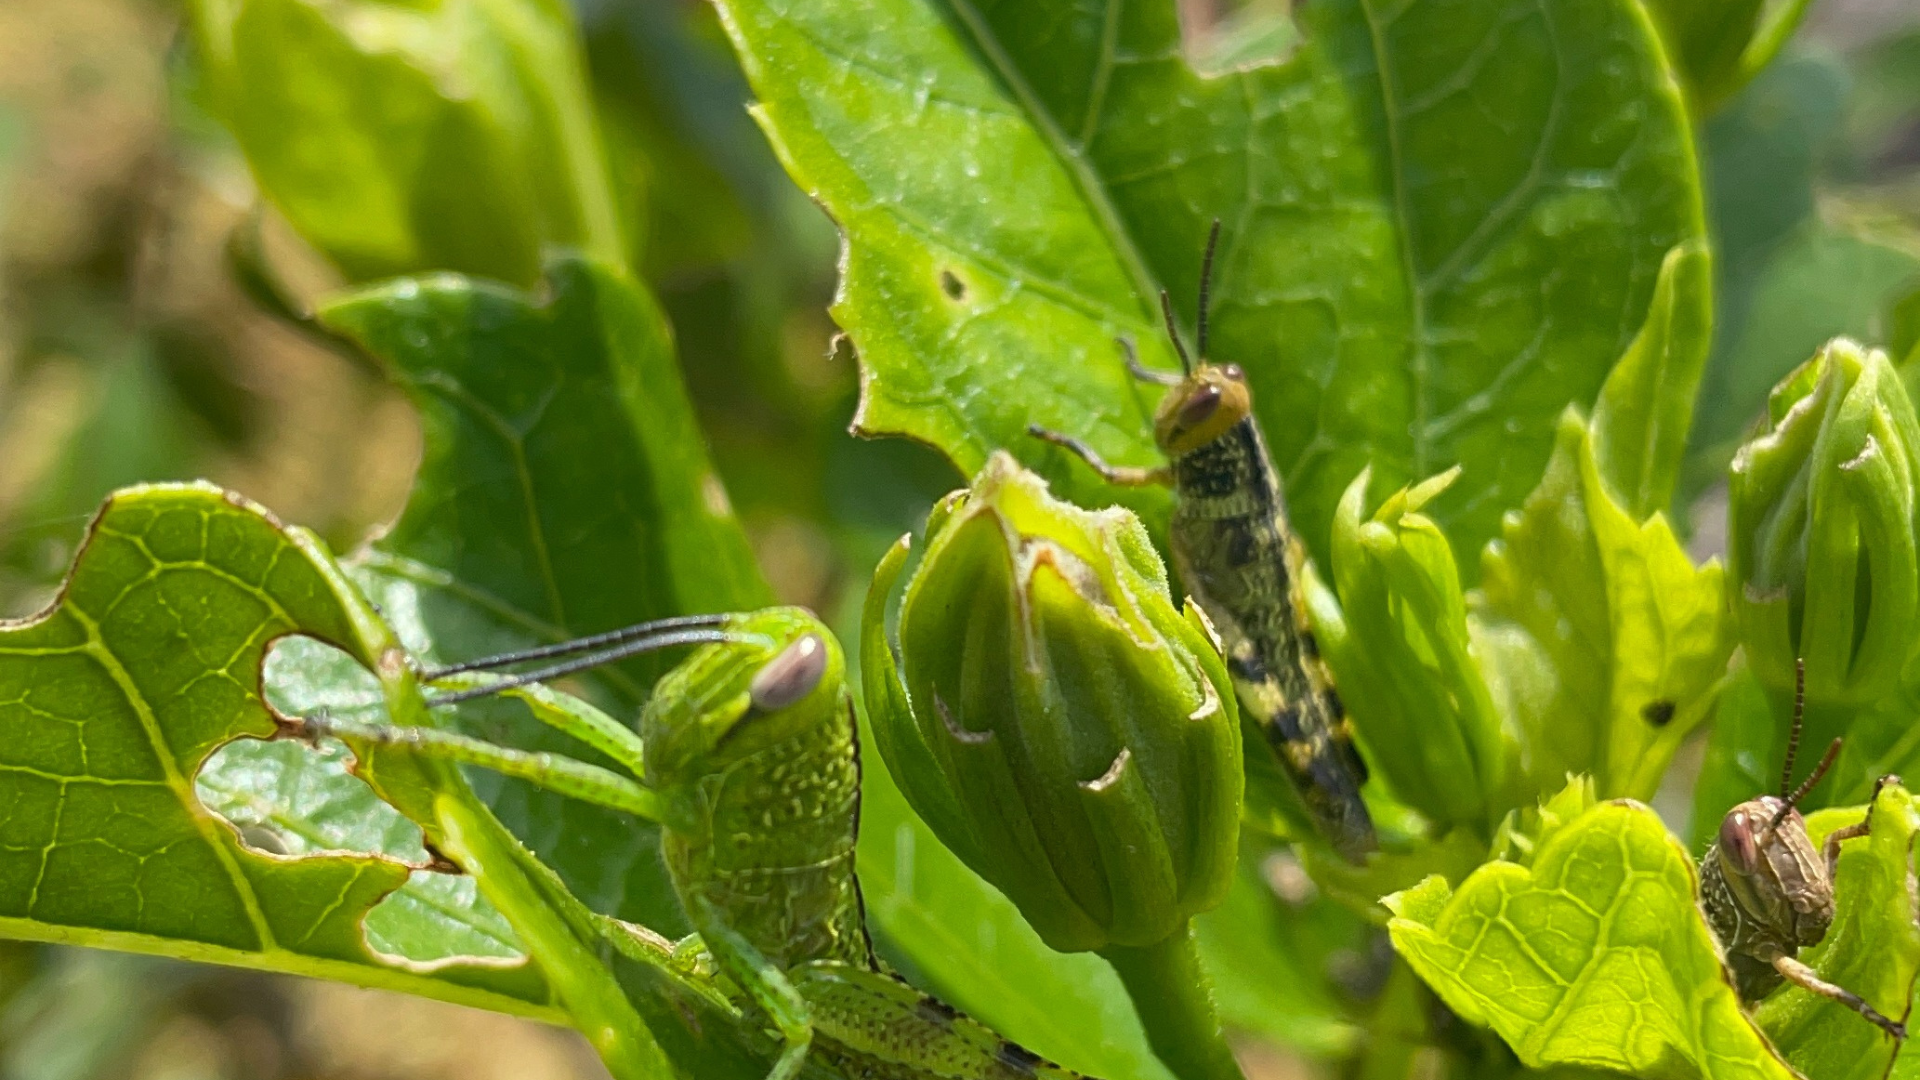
x=1174 y=998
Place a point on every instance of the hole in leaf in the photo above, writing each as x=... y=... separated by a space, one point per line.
x=1224 y=36
x=290 y=800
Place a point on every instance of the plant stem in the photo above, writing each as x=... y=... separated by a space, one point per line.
x=1174 y=999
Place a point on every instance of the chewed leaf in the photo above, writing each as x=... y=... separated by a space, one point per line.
x=1404 y=282
x=113 y=700
x=1872 y=949
x=1596 y=955
x=557 y=419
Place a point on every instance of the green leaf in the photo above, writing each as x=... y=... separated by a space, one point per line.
x=1268 y=962
x=1414 y=688
x=401 y=137
x=1740 y=762
x=1602 y=639
x=290 y=799
x=1595 y=956
x=1405 y=283
x=564 y=490
x=1872 y=949
x=1641 y=418
x=112 y=700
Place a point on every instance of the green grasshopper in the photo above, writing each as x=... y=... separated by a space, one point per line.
x=748 y=757
x=1768 y=894
x=1242 y=563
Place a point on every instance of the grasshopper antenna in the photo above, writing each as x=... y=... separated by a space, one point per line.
x=1173 y=331
x=1206 y=288
x=1793 y=734
x=621 y=651
x=1820 y=770
x=577 y=646
x=1790 y=799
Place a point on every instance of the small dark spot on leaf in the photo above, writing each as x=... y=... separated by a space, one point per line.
x=952 y=286
x=1658 y=713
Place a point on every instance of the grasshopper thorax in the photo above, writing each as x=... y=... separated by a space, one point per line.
x=777 y=679
x=1211 y=399
x=1773 y=876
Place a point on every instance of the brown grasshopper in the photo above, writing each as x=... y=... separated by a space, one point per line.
x=1240 y=561
x=1767 y=893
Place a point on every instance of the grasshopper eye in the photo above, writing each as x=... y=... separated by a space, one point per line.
x=1232 y=371
x=1737 y=842
x=789 y=676
x=1200 y=405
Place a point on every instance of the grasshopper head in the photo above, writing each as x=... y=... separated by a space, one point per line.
x=781 y=675
x=1773 y=874
x=1211 y=399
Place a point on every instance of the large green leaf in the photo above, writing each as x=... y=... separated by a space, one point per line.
x=1598 y=634
x=1271 y=960
x=564 y=490
x=152 y=661
x=1443 y=221
x=1595 y=955
x=1872 y=949
x=403 y=137
x=110 y=703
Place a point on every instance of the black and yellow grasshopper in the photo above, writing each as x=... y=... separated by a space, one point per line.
x=748 y=757
x=1768 y=894
x=1241 y=562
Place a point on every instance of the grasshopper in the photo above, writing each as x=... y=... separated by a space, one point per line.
x=1768 y=894
x=1242 y=563
x=748 y=757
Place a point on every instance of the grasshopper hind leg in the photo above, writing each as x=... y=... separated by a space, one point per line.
x=887 y=1030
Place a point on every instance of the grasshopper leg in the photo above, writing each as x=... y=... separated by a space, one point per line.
x=883 y=1018
x=1141 y=371
x=762 y=981
x=1831 y=849
x=561 y=775
x=1804 y=977
x=1118 y=475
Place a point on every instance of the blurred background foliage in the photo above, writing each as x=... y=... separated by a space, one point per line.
x=129 y=351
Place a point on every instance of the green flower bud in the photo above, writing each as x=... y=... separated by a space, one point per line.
x=1821 y=529
x=1062 y=726
x=1406 y=664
